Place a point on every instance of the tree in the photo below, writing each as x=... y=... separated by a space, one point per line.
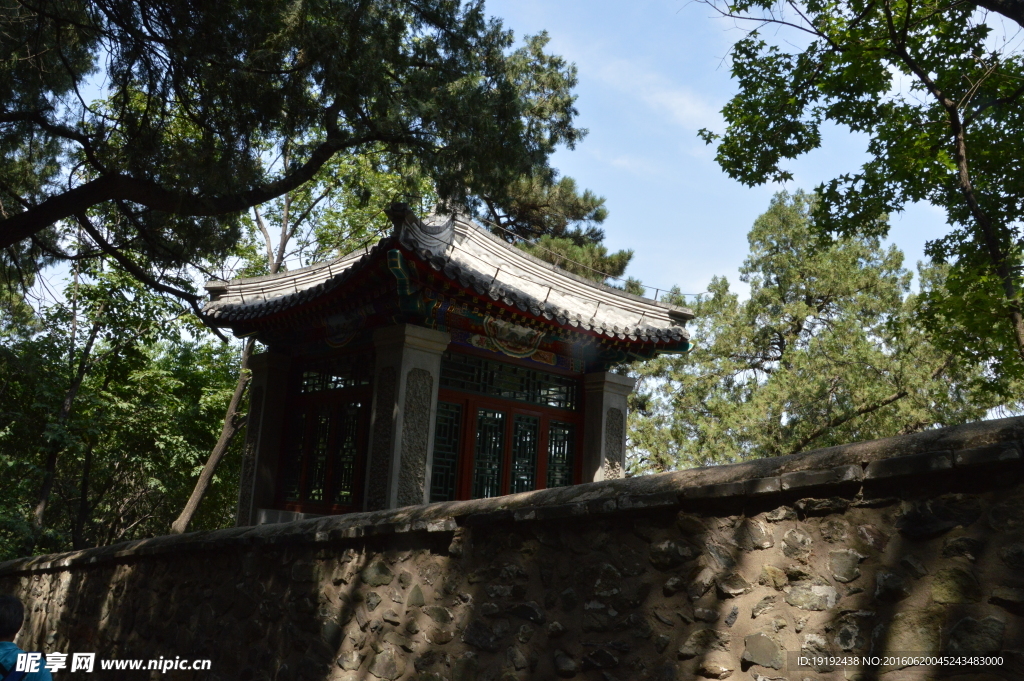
x=824 y=352
x=581 y=256
x=538 y=204
x=106 y=408
x=949 y=138
x=193 y=93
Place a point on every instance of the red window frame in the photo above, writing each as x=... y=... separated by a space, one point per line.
x=311 y=403
x=473 y=402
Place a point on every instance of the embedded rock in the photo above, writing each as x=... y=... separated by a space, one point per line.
x=761 y=649
x=773 y=577
x=955 y=585
x=703 y=640
x=669 y=553
x=672 y=586
x=890 y=586
x=350 y=660
x=848 y=637
x=439 y=614
x=599 y=659
x=762 y=606
x=1013 y=556
x=387 y=665
x=963 y=547
x=828 y=506
x=796 y=544
x=815 y=595
x=415 y=598
x=845 y=564
x=377 y=574
x=873 y=537
x=515 y=657
x=976 y=637
x=715 y=669
x=705 y=615
x=565 y=666
x=814 y=645
x=835 y=530
x=935 y=517
x=754 y=535
x=914 y=566
x=732 y=585
x=1008 y=598
x=700 y=583
x=481 y=636
x=1007 y=516
x=780 y=514
x=529 y=611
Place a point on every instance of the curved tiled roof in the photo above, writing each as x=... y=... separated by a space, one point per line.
x=464 y=253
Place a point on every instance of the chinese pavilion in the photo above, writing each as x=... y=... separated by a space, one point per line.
x=441 y=363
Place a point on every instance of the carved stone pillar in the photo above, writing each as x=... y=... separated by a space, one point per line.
x=604 y=428
x=406 y=376
x=268 y=390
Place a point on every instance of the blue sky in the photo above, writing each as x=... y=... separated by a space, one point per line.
x=651 y=74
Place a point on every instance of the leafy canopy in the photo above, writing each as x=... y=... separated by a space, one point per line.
x=938 y=94
x=825 y=351
x=109 y=384
x=191 y=96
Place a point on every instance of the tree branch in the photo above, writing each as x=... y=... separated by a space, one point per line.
x=142 y=275
x=116 y=187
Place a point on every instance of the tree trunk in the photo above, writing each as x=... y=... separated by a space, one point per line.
x=78 y=533
x=228 y=430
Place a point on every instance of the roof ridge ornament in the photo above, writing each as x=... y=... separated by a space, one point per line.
x=433 y=235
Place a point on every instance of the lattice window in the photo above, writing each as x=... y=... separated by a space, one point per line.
x=446 y=451
x=561 y=453
x=324 y=449
x=525 y=433
x=468 y=373
x=291 y=466
x=490 y=450
x=317 y=475
x=347 y=452
x=318 y=381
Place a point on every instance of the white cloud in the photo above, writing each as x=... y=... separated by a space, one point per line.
x=637 y=165
x=680 y=105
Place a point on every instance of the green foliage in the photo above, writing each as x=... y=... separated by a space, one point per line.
x=192 y=96
x=825 y=351
x=938 y=96
x=537 y=204
x=584 y=258
x=147 y=413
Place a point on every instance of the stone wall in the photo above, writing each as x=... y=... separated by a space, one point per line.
x=912 y=545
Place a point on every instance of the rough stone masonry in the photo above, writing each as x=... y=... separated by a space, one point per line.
x=910 y=546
